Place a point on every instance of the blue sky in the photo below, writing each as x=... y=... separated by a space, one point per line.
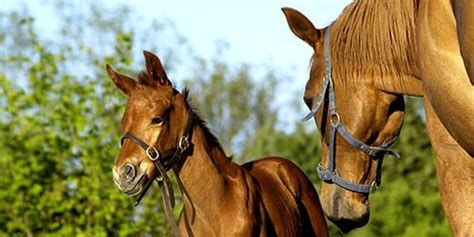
x=255 y=30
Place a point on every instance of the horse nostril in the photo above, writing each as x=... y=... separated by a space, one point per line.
x=129 y=171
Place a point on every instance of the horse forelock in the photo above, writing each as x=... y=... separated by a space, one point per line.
x=375 y=37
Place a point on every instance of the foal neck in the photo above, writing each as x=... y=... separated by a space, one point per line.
x=203 y=171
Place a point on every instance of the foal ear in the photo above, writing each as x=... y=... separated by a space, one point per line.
x=301 y=26
x=155 y=69
x=124 y=83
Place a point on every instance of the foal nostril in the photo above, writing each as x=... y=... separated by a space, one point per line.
x=129 y=172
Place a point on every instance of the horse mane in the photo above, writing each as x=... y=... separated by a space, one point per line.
x=208 y=134
x=375 y=38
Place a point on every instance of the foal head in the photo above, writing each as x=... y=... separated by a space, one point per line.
x=157 y=115
x=370 y=115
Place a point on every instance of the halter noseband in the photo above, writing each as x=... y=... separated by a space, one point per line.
x=330 y=173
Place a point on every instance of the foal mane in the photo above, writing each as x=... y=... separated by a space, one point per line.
x=375 y=38
x=210 y=137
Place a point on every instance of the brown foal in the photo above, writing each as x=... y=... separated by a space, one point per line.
x=266 y=197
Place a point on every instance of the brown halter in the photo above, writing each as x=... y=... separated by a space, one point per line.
x=164 y=161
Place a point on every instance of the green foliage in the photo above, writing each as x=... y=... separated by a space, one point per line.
x=233 y=103
x=302 y=146
x=59 y=133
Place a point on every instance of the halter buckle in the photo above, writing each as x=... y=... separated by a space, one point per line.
x=335 y=119
x=152 y=153
x=183 y=143
x=373 y=187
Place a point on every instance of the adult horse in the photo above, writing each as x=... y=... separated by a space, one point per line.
x=266 y=197
x=362 y=66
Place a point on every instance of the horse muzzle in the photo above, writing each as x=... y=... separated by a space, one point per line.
x=346 y=209
x=132 y=181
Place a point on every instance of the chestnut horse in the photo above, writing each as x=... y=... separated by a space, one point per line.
x=363 y=64
x=266 y=197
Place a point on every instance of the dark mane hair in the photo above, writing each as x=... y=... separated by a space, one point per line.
x=210 y=137
x=375 y=38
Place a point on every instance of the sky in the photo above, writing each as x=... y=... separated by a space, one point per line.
x=255 y=31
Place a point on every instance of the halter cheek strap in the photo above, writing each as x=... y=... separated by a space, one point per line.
x=330 y=173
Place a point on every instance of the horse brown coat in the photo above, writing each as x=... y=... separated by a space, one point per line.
x=266 y=197
x=408 y=47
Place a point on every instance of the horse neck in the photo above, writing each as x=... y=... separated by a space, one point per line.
x=203 y=172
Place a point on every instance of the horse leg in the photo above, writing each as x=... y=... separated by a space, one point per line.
x=445 y=79
x=455 y=175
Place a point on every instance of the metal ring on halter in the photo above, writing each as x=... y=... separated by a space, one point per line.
x=335 y=114
x=374 y=186
x=373 y=151
x=183 y=143
x=150 y=151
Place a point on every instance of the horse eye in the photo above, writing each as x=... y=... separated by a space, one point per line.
x=156 y=120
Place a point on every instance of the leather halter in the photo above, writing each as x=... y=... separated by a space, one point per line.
x=164 y=161
x=330 y=174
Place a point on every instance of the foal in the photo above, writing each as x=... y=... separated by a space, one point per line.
x=267 y=197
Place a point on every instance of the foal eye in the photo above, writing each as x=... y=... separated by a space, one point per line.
x=156 y=120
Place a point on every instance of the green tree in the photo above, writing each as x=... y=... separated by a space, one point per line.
x=54 y=180
x=233 y=103
x=59 y=127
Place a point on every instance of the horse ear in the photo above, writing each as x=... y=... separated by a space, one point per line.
x=124 y=83
x=155 y=69
x=301 y=26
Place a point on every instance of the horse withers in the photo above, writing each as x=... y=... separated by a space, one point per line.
x=266 y=197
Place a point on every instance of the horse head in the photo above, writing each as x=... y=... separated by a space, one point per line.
x=357 y=122
x=156 y=122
